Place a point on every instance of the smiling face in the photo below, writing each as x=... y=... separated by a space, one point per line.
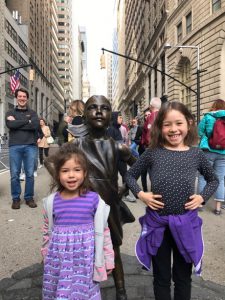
x=22 y=100
x=98 y=112
x=174 y=129
x=71 y=176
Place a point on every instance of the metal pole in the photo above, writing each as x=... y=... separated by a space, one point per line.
x=198 y=86
x=20 y=67
x=147 y=65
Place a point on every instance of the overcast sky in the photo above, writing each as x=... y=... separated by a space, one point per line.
x=97 y=17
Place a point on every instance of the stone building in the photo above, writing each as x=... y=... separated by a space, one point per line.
x=13 y=52
x=46 y=91
x=194 y=30
x=200 y=24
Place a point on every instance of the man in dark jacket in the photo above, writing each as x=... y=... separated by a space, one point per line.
x=23 y=124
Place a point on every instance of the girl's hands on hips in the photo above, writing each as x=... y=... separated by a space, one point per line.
x=151 y=200
x=195 y=201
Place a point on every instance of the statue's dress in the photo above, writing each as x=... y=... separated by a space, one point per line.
x=102 y=156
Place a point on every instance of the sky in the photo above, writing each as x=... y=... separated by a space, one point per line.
x=97 y=17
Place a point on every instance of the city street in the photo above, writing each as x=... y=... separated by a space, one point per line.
x=21 y=240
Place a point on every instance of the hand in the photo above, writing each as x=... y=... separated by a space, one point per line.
x=109 y=272
x=38 y=141
x=194 y=202
x=11 y=118
x=151 y=200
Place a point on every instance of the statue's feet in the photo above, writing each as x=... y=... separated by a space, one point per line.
x=121 y=294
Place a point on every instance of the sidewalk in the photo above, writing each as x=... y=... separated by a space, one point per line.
x=26 y=285
x=20 y=260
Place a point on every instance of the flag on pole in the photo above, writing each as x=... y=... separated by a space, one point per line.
x=15 y=81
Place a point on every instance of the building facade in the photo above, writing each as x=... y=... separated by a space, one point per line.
x=199 y=24
x=179 y=41
x=65 y=63
x=13 y=53
x=45 y=91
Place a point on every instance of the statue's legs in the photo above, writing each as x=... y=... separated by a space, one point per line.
x=118 y=276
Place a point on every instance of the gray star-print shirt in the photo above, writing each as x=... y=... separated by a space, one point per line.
x=173 y=175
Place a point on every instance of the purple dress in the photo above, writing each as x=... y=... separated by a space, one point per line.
x=68 y=271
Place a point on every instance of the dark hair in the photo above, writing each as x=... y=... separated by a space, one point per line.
x=21 y=90
x=42 y=119
x=66 y=152
x=218 y=105
x=157 y=139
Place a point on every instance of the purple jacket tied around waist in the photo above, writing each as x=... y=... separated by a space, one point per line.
x=185 y=229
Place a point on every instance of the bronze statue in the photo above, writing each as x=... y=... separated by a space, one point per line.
x=103 y=153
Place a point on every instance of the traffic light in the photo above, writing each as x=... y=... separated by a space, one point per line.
x=31 y=74
x=102 y=61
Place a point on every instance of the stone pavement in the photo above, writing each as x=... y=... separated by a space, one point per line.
x=26 y=284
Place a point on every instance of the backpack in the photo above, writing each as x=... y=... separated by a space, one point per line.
x=217 y=139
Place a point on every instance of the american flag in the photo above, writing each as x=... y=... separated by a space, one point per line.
x=15 y=81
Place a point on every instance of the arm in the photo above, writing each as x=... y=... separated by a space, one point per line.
x=108 y=250
x=142 y=164
x=201 y=127
x=28 y=123
x=45 y=230
x=210 y=177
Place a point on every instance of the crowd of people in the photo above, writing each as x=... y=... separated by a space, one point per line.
x=84 y=214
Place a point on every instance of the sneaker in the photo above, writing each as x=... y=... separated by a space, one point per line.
x=40 y=166
x=22 y=177
x=217 y=212
x=223 y=206
x=35 y=173
x=130 y=198
x=16 y=205
x=31 y=203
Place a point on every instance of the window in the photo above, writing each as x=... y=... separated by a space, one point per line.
x=11 y=31
x=179 y=32
x=216 y=4
x=188 y=23
x=10 y=50
x=61 y=16
x=22 y=45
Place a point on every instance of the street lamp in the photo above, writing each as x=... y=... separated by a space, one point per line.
x=197 y=92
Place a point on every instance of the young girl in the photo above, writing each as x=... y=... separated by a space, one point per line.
x=171 y=222
x=77 y=246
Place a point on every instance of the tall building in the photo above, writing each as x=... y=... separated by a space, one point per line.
x=13 y=53
x=40 y=18
x=65 y=63
x=182 y=44
x=85 y=82
x=200 y=25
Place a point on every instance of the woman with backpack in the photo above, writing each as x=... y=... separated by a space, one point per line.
x=211 y=130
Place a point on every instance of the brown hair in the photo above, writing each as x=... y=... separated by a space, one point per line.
x=42 y=119
x=21 y=90
x=218 y=104
x=157 y=139
x=66 y=152
x=76 y=108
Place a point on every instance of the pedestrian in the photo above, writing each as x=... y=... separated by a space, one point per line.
x=43 y=145
x=102 y=154
x=171 y=222
x=77 y=247
x=23 y=124
x=216 y=157
x=135 y=137
x=143 y=145
x=74 y=118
